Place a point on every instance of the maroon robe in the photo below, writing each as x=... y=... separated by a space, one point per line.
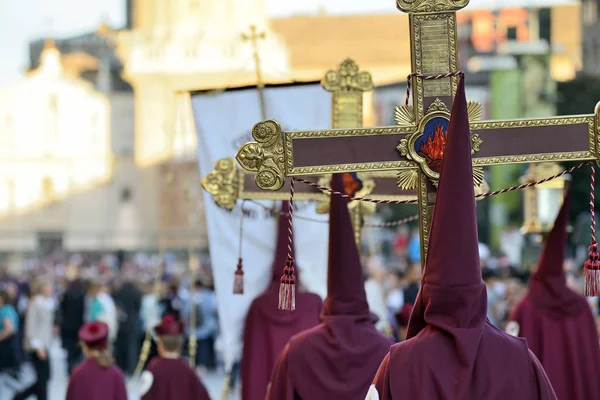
x=171 y=379
x=90 y=381
x=267 y=330
x=452 y=351
x=558 y=323
x=338 y=358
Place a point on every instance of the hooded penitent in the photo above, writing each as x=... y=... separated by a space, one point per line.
x=558 y=323
x=338 y=358
x=267 y=330
x=452 y=351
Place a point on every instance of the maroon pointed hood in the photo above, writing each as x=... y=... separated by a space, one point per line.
x=345 y=283
x=553 y=257
x=453 y=297
x=548 y=286
x=281 y=248
x=558 y=323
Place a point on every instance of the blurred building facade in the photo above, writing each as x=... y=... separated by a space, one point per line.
x=180 y=45
x=56 y=143
x=75 y=185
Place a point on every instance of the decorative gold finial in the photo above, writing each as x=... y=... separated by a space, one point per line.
x=347 y=86
x=347 y=78
x=223 y=183
x=426 y=6
x=265 y=155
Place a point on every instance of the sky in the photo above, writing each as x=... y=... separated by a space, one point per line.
x=24 y=20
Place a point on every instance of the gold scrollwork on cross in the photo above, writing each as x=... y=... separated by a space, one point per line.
x=223 y=183
x=424 y=6
x=265 y=156
x=347 y=78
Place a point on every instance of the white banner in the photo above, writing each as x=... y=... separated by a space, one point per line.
x=223 y=122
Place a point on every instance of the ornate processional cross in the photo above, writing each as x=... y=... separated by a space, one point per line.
x=414 y=148
x=347 y=84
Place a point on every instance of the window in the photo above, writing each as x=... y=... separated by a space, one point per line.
x=511 y=33
x=49 y=242
x=545 y=24
x=47 y=189
x=590 y=12
x=126 y=195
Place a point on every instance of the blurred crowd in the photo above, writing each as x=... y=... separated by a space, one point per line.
x=52 y=297
x=506 y=273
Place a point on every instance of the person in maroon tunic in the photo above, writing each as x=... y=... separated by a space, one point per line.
x=558 y=323
x=96 y=378
x=168 y=376
x=452 y=351
x=338 y=358
x=267 y=330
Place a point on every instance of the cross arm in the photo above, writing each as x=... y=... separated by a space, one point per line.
x=569 y=138
x=228 y=183
x=277 y=154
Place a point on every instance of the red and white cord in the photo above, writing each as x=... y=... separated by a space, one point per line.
x=290 y=220
x=427 y=78
x=592 y=201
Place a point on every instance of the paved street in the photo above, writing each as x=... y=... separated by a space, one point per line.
x=58 y=384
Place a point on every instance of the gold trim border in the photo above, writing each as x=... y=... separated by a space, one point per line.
x=423 y=219
x=333 y=133
x=482 y=161
x=534 y=158
x=243 y=193
x=358 y=167
x=519 y=123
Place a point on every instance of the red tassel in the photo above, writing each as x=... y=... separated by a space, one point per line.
x=287 y=287
x=592 y=265
x=592 y=271
x=238 y=278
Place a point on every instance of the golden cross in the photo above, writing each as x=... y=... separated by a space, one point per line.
x=253 y=37
x=347 y=85
x=413 y=147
